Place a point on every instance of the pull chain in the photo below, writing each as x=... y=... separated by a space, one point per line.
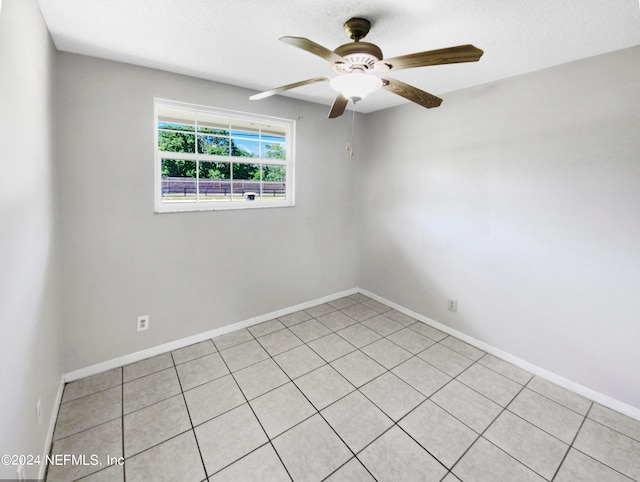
x=351 y=135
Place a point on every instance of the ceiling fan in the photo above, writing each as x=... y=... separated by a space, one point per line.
x=357 y=64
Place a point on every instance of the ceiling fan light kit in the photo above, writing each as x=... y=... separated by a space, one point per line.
x=357 y=64
x=356 y=87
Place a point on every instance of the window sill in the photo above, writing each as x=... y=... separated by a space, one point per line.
x=181 y=207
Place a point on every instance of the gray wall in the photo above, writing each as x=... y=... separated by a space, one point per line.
x=191 y=272
x=29 y=274
x=520 y=199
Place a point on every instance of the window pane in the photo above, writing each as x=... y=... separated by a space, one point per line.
x=214 y=181
x=213 y=124
x=176 y=116
x=274 y=182
x=272 y=138
x=274 y=150
x=273 y=130
x=246 y=179
x=245 y=125
x=209 y=144
x=176 y=142
x=213 y=130
x=176 y=127
x=274 y=173
x=215 y=170
x=178 y=180
x=244 y=144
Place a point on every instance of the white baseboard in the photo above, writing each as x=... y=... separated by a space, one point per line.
x=157 y=350
x=598 y=397
x=181 y=343
x=52 y=425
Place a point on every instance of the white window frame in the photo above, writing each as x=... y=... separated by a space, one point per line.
x=161 y=206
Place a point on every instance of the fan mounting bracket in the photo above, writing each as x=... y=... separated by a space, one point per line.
x=357 y=28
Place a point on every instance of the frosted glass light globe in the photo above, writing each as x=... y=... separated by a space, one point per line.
x=356 y=85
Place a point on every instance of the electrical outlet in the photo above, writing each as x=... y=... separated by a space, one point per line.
x=452 y=305
x=39 y=411
x=20 y=474
x=143 y=323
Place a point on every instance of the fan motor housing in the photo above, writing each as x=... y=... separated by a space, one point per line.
x=361 y=55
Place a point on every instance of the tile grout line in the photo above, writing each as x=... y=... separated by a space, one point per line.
x=564 y=457
x=193 y=430
x=568 y=446
x=92 y=393
x=504 y=409
x=336 y=332
x=540 y=428
x=479 y=393
x=186 y=405
x=466 y=386
x=124 y=468
x=357 y=389
x=91 y=428
x=447 y=469
x=85 y=430
x=269 y=441
x=396 y=423
x=317 y=411
x=622 y=434
x=479 y=435
x=556 y=401
x=586 y=417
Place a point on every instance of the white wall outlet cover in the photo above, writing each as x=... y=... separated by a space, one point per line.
x=143 y=323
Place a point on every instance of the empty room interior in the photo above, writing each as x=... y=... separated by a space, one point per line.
x=314 y=284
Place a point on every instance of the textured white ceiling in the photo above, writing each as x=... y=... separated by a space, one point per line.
x=236 y=41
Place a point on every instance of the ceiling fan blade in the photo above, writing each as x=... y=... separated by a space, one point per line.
x=451 y=55
x=338 y=107
x=314 y=48
x=411 y=93
x=277 y=90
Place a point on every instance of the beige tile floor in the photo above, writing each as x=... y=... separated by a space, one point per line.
x=347 y=390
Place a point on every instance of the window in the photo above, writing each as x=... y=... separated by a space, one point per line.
x=209 y=159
